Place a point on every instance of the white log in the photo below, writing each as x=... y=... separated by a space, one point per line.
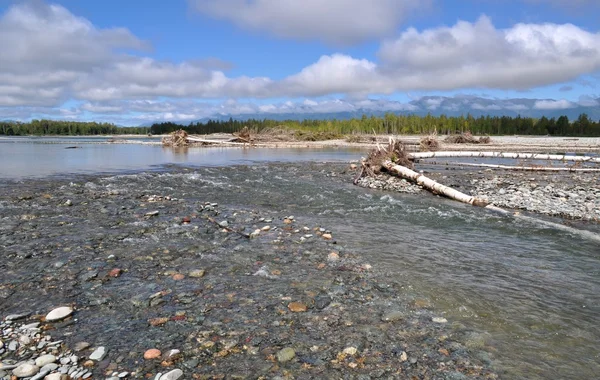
x=432 y=185
x=532 y=156
x=196 y=139
x=462 y=197
x=523 y=168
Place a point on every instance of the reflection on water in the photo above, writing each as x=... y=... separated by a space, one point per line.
x=36 y=157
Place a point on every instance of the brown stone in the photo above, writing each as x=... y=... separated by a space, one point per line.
x=152 y=353
x=297 y=307
x=178 y=277
x=158 y=321
x=116 y=272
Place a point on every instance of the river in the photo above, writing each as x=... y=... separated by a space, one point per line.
x=530 y=295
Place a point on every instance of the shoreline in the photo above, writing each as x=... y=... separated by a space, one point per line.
x=533 y=144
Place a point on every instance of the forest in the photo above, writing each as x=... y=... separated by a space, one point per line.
x=405 y=124
x=388 y=124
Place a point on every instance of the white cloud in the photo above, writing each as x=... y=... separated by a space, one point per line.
x=337 y=73
x=45 y=48
x=334 y=21
x=554 y=104
x=588 y=101
x=94 y=68
x=479 y=55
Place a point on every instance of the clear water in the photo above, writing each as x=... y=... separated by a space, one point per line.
x=24 y=157
x=531 y=295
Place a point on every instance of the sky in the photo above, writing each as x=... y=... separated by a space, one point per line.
x=134 y=62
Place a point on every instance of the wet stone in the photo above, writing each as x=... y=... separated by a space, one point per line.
x=98 y=354
x=59 y=314
x=392 y=316
x=172 y=375
x=286 y=354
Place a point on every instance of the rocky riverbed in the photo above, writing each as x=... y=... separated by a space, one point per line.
x=157 y=280
x=568 y=195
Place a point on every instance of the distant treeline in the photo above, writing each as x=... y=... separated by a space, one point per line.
x=66 y=128
x=405 y=124
x=390 y=123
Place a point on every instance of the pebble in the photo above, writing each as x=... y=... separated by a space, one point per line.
x=45 y=359
x=152 y=353
x=333 y=256
x=98 y=354
x=439 y=320
x=392 y=316
x=80 y=346
x=26 y=370
x=115 y=272
x=198 y=273
x=15 y=317
x=59 y=313
x=172 y=375
x=297 y=307
x=403 y=356
x=285 y=355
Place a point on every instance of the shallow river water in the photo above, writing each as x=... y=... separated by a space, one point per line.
x=532 y=294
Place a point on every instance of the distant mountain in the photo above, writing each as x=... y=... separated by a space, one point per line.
x=436 y=106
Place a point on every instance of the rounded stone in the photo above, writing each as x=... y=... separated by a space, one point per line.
x=45 y=359
x=198 y=273
x=297 y=307
x=152 y=353
x=286 y=354
x=26 y=370
x=172 y=375
x=59 y=313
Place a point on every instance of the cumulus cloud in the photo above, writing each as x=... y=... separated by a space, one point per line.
x=109 y=71
x=334 y=21
x=45 y=48
x=554 y=104
x=480 y=55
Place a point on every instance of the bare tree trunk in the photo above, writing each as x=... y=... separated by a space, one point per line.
x=432 y=185
x=522 y=168
x=533 y=156
x=436 y=187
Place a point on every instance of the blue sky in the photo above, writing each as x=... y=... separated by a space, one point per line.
x=134 y=61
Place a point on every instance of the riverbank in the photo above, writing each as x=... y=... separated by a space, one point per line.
x=148 y=261
x=534 y=144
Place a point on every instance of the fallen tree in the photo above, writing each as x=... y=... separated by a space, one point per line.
x=530 y=156
x=394 y=156
x=521 y=168
x=431 y=185
x=449 y=192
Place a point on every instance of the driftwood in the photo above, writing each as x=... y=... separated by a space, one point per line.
x=429 y=143
x=521 y=168
x=533 y=156
x=436 y=187
x=467 y=138
x=432 y=185
x=231 y=141
x=176 y=139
